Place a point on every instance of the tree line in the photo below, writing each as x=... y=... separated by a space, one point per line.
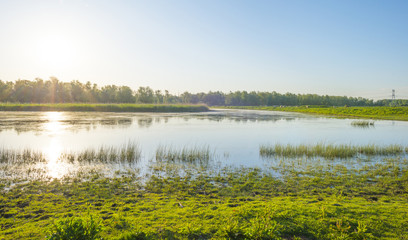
x=55 y=91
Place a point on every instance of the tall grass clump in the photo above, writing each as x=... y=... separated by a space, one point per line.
x=75 y=228
x=185 y=155
x=12 y=156
x=362 y=123
x=328 y=151
x=127 y=153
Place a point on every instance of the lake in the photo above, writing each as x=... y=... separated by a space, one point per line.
x=234 y=136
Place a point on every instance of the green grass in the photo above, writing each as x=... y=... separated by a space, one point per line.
x=328 y=151
x=362 y=123
x=385 y=113
x=185 y=155
x=129 y=152
x=85 y=107
x=318 y=200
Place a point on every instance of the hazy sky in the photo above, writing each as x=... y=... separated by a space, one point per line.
x=354 y=48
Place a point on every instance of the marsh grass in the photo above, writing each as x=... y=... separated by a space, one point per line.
x=88 y=107
x=235 y=203
x=329 y=151
x=130 y=153
x=201 y=155
x=11 y=156
x=386 y=113
x=362 y=124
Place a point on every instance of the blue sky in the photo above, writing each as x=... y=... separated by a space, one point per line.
x=353 y=48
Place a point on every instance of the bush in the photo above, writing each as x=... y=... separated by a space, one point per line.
x=75 y=228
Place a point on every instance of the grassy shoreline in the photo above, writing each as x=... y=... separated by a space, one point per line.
x=85 y=107
x=235 y=204
x=380 y=113
x=306 y=200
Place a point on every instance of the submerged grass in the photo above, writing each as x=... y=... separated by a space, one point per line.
x=329 y=151
x=88 y=107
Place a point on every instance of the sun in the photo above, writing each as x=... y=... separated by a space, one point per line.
x=55 y=51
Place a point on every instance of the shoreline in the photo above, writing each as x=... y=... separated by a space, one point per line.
x=373 y=113
x=98 y=107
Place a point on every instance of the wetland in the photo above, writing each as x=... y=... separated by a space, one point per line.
x=222 y=174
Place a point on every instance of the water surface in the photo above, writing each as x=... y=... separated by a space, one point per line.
x=233 y=135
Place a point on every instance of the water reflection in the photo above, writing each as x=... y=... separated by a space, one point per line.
x=56 y=168
x=54 y=122
x=147 y=122
x=234 y=134
x=54 y=128
x=39 y=122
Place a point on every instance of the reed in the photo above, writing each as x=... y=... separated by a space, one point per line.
x=386 y=113
x=129 y=153
x=329 y=151
x=362 y=123
x=184 y=155
x=11 y=156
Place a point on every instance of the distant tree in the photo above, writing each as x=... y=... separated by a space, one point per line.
x=125 y=95
x=5 y=91
x=186 y=97
x=55 y=91
x=108 y=94
x=144 y=95
x=214 y=99
x=158 y=96
x=22 y=91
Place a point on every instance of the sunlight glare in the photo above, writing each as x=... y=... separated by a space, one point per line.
x=55 y=51
x=55 y=128
x=54 y=124
x=56 y=168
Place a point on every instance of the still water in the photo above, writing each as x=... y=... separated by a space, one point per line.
x=233 y=135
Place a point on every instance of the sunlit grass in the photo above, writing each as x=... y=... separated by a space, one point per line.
x=129 y=152
x=185 y=154
x=329 y=151
x=386 y=113
x=319 y=201
x=362 y=123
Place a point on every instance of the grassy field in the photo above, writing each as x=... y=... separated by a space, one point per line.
x=291 y=199
x=85 y=107
x=385 y=113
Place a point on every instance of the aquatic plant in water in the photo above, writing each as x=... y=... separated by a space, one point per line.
x=184 y=155
x=329 y=151
x=362 y=123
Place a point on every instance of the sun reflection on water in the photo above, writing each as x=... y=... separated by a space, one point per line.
x=56 y=168
x=54 y=125
x=53 y=151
